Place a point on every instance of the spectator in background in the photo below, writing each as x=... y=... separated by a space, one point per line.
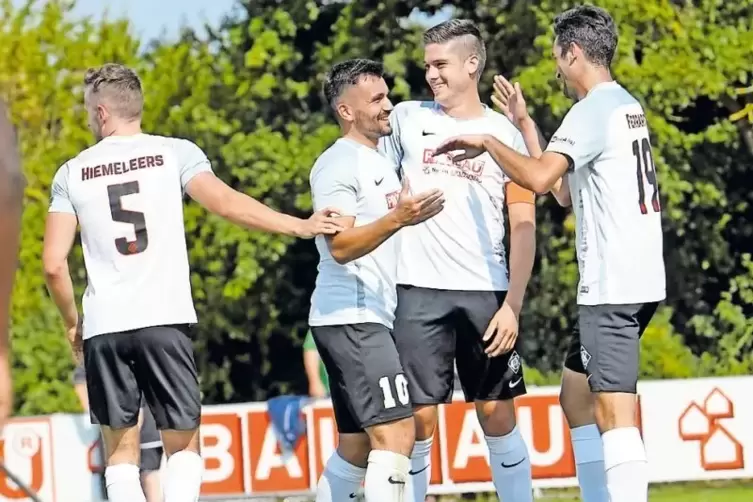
x=316 y=373
x=151 y=442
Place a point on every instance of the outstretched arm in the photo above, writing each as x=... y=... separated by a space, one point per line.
x=218 y=198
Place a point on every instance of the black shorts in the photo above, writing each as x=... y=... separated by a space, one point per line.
x=606 y=345
x=434 y=327
x=367 y=383
x=151 y=459
x=157 y=362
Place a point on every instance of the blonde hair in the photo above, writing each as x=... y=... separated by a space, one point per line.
x=117 y=85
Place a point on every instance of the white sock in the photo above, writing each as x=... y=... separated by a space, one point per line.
x=123 y=483
x=511 y=467
x=386 y=476
x=625 y=464
x=420 y=471
x=340 y=480
x=183 y=478
x=589 y=463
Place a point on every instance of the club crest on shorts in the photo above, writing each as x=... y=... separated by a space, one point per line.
x=585 y=357
x=514 y=362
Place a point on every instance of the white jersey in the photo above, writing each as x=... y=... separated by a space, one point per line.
x=127 y=193
x=615 y=198
x=462 y=248
x=359 y=182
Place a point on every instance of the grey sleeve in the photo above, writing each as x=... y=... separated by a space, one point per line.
x=191 y=161
x=334 y=184
x=60 y=199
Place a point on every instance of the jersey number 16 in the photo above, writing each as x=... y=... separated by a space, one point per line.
x=115 y=193
x=645 y=164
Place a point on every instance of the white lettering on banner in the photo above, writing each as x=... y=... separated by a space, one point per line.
x=326 y=438
x=471 y=442
x=219 y=450
x=556 y=435
x=269 y=458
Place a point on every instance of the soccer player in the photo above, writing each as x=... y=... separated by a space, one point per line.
x=151 y=442
x=577 y=403
x=353 y=304
x=11 y=199
x=455 y=298
x=126 y=194
x=603 y=150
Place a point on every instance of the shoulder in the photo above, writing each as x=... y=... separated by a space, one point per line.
x=504 y=129
x=337 y=161
x=406 y=109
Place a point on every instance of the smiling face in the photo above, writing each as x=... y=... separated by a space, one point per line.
x=367 y=106
x=450 y=70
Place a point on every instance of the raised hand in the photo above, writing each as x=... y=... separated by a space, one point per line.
x=509 y=99
x=414 y=209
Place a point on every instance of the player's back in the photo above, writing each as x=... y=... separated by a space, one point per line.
x=616 y=199
x=127 y=193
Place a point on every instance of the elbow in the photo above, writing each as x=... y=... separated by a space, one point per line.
x=340 y=256
x=540 y=186
x=54 y=269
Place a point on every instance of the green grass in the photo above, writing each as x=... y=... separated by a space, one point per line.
x=735 y=491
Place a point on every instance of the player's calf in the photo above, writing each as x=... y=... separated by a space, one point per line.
x=389 y=461
x=577 y=402
x=122 y=458
x=508 y=453
x=185 y=466
x=345 y=469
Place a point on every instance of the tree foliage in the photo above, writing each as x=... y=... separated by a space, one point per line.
x=248 y=93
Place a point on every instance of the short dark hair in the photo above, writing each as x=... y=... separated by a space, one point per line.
x=348 y=73
x=459 y=28
x=592 y=29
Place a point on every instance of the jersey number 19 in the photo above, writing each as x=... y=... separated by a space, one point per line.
x=115 y=193
x=645 y=164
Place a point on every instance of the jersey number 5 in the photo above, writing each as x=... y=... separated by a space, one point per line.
x=645 y=164
x=115 y=193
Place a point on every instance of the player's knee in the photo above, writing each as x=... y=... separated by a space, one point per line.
x=497 y=418
x=425 y=421
x=614 y=410
x=122 y=446
x=576 y=399
x=354 y=448
x=174 y=441
x=397 y=436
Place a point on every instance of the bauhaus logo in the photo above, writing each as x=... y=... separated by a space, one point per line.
x=704 y=423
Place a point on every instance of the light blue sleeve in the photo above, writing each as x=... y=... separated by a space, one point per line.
x=60 y=199
x=191 y=161
x=390 y=146
x=581 y=136
x=334 y=183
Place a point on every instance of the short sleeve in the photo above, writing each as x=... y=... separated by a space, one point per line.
x=60 y=198
x=580 y=137
x=309 y=343
x=191 y=161
x=390 y=146
x=334 y=184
